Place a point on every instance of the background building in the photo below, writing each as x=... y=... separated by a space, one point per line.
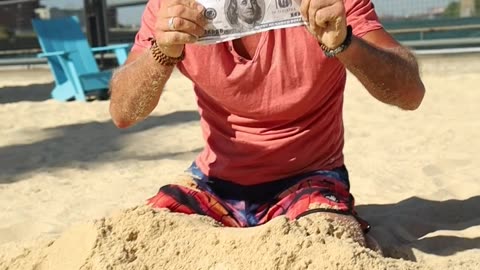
x=15 y=16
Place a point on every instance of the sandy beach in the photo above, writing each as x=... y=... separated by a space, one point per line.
x=72 y=185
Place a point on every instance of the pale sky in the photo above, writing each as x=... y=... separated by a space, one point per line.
x=131 y=15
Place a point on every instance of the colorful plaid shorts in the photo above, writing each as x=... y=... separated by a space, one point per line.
x=235 y=205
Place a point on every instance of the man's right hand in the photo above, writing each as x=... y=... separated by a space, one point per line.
x=179 y=22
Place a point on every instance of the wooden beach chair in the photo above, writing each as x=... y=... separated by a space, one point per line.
x=71 y=59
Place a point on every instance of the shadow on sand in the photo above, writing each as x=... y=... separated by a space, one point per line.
x=95 y=139
x=33 y=92
x=399 y=228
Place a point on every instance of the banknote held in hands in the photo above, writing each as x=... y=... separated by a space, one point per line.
x=232 y=19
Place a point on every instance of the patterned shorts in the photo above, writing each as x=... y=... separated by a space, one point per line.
x=235 y=205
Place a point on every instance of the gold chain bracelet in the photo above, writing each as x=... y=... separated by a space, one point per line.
x=162 y=58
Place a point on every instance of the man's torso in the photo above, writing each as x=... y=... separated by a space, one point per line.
x=271 y=106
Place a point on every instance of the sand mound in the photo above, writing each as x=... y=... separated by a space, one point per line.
x=141 y=238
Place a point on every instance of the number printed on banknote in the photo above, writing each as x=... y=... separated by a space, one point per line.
x=232 y=19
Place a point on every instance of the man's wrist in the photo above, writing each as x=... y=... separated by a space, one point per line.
x=329 y=52
x=164 y=56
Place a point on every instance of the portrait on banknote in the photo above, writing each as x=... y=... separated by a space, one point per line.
x=232 y=19
x=244 y=14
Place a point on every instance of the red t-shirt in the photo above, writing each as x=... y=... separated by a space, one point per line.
x=274 y=116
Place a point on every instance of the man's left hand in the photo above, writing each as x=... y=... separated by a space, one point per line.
x=326 y=20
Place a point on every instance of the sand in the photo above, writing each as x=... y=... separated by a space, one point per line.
x=144 y=239
x=71 y=184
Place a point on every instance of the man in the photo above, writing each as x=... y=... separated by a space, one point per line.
x=243 y=14
x=270 y=107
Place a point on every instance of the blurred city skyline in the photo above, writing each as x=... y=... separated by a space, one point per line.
x=131 y=15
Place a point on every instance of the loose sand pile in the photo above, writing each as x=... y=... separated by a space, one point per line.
x=141 y=238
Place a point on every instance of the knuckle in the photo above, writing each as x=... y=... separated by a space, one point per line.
x=163 y=4
x=200 y=19
x=199 y=31
x=179 y=23
x=169 y=3
x=172 y=11
x=179 y=10
x=194 y=30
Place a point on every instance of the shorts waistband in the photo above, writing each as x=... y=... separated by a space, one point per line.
x=229 y=190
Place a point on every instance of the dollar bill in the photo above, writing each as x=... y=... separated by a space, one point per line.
x=232 y=19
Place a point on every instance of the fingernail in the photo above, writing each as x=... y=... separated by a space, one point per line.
x=200 y=8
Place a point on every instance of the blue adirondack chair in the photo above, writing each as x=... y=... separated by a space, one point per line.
x=72 y=60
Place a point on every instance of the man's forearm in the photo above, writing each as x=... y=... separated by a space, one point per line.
x=390 y=75
x=136 y=88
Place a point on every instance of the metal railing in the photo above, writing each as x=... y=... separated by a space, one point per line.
x=423 y=42
x=422 y=30
x=125 y=3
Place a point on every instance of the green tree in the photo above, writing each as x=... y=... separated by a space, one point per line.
x=453 y=10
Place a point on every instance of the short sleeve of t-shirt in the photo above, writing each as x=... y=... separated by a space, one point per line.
x=362 y=17
x=147 y=26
